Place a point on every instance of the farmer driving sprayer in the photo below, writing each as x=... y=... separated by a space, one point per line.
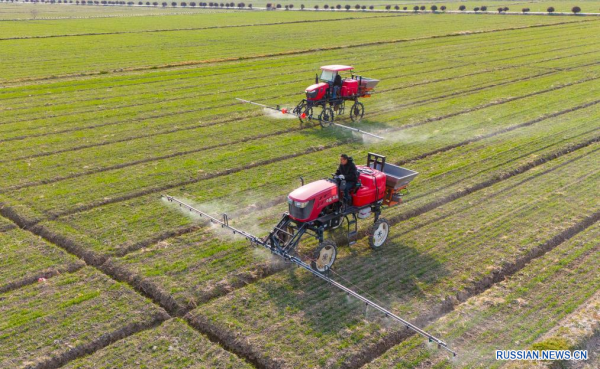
x=347 y=175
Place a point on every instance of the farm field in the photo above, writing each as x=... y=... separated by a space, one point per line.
x=496 y=245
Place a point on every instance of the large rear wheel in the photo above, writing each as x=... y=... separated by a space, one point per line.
x=324 y=256
x=378 y=233
x=326 y=117
x=357 y=111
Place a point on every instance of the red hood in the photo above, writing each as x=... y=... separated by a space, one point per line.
x=311 y=190
x=315 y=86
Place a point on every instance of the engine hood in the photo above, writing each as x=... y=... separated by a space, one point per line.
x=315 y=86
x=312 y=190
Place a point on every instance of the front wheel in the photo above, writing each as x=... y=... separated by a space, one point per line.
x=357 y=111
x=378 y=233
x=326 y=117
x=324 y=256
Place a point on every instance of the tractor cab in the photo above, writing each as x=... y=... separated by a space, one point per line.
x=329 y=73
x=331 y=84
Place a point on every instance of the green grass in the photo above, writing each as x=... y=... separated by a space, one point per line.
x=88 y=154
x=24 y=255
x=173 y=344
x=50 y=318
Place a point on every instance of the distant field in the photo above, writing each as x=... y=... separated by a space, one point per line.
x=495 y=246
x=23 y=10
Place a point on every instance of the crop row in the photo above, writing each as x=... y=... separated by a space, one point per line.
x=53 y=321
x=578 y=330
x=76 y=55
x=513 y=313
x=179 y=264
x=16 y=130
x=26 y=258
x=290 y=315
x=48 y=93
x=172 y=344
x=418 y=133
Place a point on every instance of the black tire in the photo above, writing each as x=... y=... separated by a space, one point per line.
x=324 y=256
x=378 y=233
x=309 y=114
x=326 y=117
x=357 y=111
x=299 y=109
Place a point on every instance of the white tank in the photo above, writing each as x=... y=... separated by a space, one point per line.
x=364 y=213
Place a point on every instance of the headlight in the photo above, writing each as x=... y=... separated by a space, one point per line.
x=290 y=201
x=300 y=205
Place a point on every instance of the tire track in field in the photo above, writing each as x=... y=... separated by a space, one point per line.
x=232 y=104
x=292 y=52
x=57 y=361
x=168 y=186
x=149 y=159
x=474 y=204
x=487 y=105
x=193 y=28
x=286 y=131
x=97 y=261
x=188 y=229
x=432 y=179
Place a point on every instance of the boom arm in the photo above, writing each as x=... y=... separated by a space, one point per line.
x=285 y=111
x=224 y=223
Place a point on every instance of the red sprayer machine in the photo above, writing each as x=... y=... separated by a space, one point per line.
x=336 y=87
x=317 y=207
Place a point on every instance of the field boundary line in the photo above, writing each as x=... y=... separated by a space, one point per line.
x=287 y=53
x=46 y=273
x=55 y=362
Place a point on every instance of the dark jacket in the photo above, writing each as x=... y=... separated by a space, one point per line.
x=349 y=171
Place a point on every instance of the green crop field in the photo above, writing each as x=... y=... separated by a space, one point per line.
x=496 y=245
